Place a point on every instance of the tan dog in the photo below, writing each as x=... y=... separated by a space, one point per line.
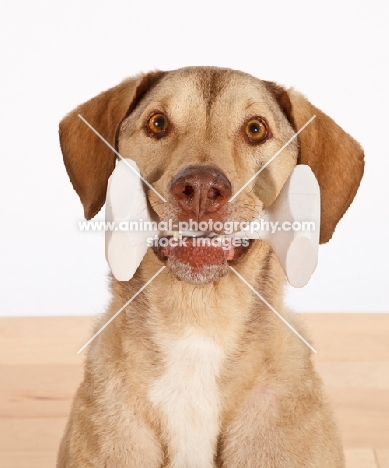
x=197 y=372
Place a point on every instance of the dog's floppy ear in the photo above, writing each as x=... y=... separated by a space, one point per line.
x=333 y=155
x=88 y=160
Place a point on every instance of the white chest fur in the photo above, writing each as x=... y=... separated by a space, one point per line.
x=187 y=394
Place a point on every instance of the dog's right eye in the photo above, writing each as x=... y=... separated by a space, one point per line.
x=157 y=125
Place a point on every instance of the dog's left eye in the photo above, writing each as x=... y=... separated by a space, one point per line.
x=256 y=130
x=157 y=124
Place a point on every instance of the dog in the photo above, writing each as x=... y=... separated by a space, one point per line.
x=197 y=372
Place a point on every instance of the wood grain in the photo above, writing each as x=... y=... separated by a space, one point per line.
x=40 y=371
x=360 y=458
x=382 y=457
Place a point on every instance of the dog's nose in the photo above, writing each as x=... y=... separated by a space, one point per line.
x=200 y=190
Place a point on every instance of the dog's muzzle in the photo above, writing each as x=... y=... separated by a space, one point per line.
x=200 y=194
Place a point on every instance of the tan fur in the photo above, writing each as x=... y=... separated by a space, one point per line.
x=201 y=376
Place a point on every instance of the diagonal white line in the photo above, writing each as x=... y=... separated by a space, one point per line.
x=271 y=159
x=273 y=309
x=122 y=308
x=121 y=157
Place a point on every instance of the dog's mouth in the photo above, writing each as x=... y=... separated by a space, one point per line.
x=198 y=257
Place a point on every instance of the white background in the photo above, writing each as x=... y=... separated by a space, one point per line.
x=55 y=55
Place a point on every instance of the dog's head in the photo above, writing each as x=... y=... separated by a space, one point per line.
x=198 y=135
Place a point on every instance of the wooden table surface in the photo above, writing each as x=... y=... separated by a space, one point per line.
x=40 y=370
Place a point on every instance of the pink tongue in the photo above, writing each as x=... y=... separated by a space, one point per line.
x=229 y=253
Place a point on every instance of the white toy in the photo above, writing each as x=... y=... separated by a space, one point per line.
x=296 y=248
x=125 y=202
x=295 y=219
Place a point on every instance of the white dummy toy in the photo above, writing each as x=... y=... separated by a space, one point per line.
x=291 y=225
